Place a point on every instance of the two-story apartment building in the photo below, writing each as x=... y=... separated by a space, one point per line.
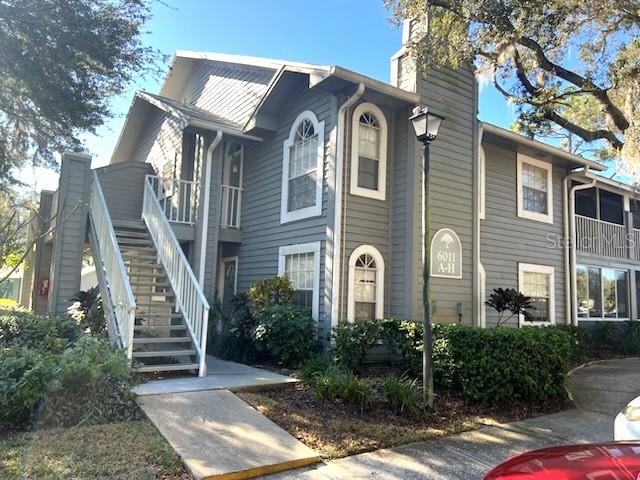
x=242 y=168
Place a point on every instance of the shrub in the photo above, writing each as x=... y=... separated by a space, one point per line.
x=353 y=341
x=269 y=292
x=607 y=336
x=235 y=340
x=630 y=343
x=506 y=363
x=93 y=385
x=509 y=300
x=581 y=341
x=46 y=334
x=24 y=376
x=336 y=383
x=404 y=339
x=286 y=334
x=314 y=366
x=401 y=393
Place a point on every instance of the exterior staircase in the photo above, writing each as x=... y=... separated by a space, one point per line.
x=160 y=338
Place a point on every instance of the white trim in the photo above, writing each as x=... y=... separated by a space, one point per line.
x=482 y=161
x=381 y=192
x=316 y=209
x=223 y=260
x=336 y=273
x=205 y=206
x=628 y=272
x=540 y=217
x=534 y=268
x=483 y=295
x=375 y=253
x=312 y=247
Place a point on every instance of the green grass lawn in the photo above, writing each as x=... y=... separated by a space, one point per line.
x=117 y=451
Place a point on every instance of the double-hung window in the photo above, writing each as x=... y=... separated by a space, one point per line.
x=537 y=282
x=303 y=155
x=369 y=152
x=535 y=189
x=366 y=284
x=301 y=265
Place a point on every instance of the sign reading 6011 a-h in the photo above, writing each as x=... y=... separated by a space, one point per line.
x=446 y=254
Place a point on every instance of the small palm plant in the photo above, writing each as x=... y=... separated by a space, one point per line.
x=504 y=300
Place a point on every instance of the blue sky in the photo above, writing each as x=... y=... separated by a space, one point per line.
x=354 y=34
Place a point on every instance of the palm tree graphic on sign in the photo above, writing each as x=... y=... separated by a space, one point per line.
x=447 y=239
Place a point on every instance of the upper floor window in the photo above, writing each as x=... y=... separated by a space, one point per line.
x=301 y=264
x=366 y=284
x=535 y=189
x=369 y=152
x=537 y=282
x=600 y=204
x=303 y=156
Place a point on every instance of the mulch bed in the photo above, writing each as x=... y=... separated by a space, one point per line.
x=337 y=429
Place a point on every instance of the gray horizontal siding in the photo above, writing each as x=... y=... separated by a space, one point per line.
x=231 y=91
x=123 y=187
x=160 y=144
x=452 y=94
x=260 y=217
x=507 y=239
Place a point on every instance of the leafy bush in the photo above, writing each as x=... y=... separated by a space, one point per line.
x=93 y=385
x=607 y=336
x=401 y=393
x=314 y=366
x=24 y=377
x=336 y=383
x=235 y=341
x=506 y=363
x=286 y=334
x=353 y=341
x=509 y=300
x=581 y=341
x=404 y=339
x=86 y=309
x=46 y=334
x=630 y=343
x=269 y=292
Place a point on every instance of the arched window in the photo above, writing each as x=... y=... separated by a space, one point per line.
x=366 y=284
x=369 y=152
x=303 y=156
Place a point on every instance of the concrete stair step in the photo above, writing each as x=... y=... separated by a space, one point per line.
x=149 y=340
x=132 y=234
x=158 y=315
x=120 y=222
x=164 y=353
x=142 y=265
x=135 y=242
x=158 y=275
x=136 y=256
x=170 y=367
x=151 y=328
x=155 y=304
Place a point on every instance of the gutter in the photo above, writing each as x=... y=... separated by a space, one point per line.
x=337 y=221
x=205 y=206
x=571 y=301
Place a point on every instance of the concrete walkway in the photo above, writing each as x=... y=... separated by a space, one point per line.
x=217 y=435
x=221 y=375
x=600 y=391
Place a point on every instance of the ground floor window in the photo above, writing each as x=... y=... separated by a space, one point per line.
x=537 y=282
x=603 y=293
x=638 y=290
x=301 y=264
x=366 y=284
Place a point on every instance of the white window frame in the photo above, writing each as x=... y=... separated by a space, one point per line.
x=629 y=301
x=312 y=247
x=540 y=217
x=316 y=209
x=224 y=260
x=548 y=270
x=351 y=293
x=381 y=192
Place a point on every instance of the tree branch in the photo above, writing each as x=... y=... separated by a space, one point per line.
x=586 y=135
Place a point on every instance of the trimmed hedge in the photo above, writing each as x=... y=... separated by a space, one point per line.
x=483 y=364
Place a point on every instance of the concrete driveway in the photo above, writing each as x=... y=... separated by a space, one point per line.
x=600 y=391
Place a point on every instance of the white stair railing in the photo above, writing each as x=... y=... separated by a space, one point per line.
x=118 y=299
x=178 y=198
x=190 y=299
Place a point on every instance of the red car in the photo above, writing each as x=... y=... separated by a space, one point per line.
x=597 y=461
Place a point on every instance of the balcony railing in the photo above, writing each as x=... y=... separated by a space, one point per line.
x=636 y=244
x=602 y=238
x=178 y=198
x=231 y=203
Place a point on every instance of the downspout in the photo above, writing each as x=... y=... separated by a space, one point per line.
x=205 y=206
x=571 y=301
x=337 y=221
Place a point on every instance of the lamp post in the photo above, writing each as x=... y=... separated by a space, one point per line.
x=426 y=125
